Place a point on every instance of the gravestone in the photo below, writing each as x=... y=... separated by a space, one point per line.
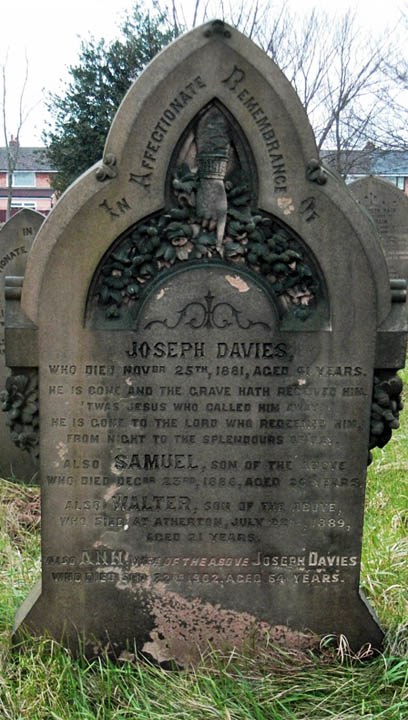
x=213 y=315
x=388 y=206
x=16 y=238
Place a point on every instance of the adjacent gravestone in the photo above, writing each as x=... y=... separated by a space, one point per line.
x=207 y=304
x=16 y=238
x=388 y=207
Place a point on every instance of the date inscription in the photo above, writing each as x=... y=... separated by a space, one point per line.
x=188 y=440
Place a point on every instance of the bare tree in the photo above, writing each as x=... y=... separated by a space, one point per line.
x=338 y=70
x=247 y=16
x=12 y=143
x=397 y=71
x=301 y=47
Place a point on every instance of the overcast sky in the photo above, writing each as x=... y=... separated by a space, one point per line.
x=48 y=32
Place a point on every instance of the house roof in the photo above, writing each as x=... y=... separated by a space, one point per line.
x=28 y=158
x=393 y=162
x=370 y=161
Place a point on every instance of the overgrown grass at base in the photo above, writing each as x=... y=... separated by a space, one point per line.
x=43 y=682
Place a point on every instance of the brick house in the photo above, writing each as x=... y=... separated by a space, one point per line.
x=390 y=165
x=31 y=181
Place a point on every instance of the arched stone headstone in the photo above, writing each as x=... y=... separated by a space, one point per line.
x=16 y=238
x=388 y=207
x=208 y=303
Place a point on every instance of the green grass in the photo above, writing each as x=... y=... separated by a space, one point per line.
x=43 y=682
x=385 y=545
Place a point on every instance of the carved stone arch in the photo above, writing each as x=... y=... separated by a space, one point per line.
x=129 y=184
x=210 y=213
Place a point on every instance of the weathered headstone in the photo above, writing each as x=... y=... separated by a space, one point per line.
x=388 y=207
x=16 y=238
x=207 y=303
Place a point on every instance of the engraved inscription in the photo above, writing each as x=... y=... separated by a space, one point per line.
x=161 y=128
x=194 y=443
x=263 y=125
x=117 y=209
x=10 y=256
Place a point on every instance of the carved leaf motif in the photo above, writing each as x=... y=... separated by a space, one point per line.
x=385 y=408
x=178 y=235
x=20 y=401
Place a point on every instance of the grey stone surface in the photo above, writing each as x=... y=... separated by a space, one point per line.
x=208 y=303
x=388 y=206
x=16 y=238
